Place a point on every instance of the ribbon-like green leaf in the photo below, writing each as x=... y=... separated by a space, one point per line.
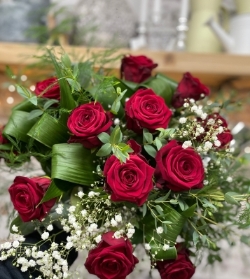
x=19 y=125
x=49 y=131
x=176 y=222
x=52 y=192
x=72 y=163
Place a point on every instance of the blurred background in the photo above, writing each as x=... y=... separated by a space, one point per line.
x=209 y=38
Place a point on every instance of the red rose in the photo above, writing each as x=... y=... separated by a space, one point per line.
x=3 y=140
x=48 y=88
x=26 y=193
x=137 y=68
x=130 y=181
x=224 y=138
x=145 y=109
x=180 y=268
x=112 y=258
x=86 y=122
x=189 y=87
x=178 y=168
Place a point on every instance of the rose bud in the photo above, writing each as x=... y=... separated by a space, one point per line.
x=136 y=68
x=48 y=88
x=189 y=87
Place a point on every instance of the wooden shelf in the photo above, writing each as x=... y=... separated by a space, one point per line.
x=213 y=69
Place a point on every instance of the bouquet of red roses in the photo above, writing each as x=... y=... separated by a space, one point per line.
x=136 y=160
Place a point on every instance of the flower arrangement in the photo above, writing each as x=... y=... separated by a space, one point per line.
x=137 y=160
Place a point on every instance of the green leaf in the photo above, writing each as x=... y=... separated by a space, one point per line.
x=148 y=137
x=33 y=100
x=25 y=105
x=74 y=84
x=73 y=163
x=150 y=150
x=116 y=135
x=49 y=103
x=105 y=150
x=115 y=107
x=19 y=125
x=230 y=197
x=164 y=198
x=158 y=143
x=49 y=131
x=66 y=60
x=159 y=209
x=170 y=215
x=75 y=70
x=190 y=211
x=24 y=228
x=9 y=72
x=52 y=192
x=160 y=254
x=24 y=92
x=35 y=113
x=104 y=137
x=196 y=238
x=162 y=86
x=144 y=209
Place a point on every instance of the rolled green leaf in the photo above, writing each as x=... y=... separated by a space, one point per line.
x=26 y=105
x=173 y=230
x=49 y=131
x=73 y=164
x=162 y=86
x=19 y=125
x=160 y=254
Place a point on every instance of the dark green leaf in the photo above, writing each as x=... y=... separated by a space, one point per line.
x=190 y=211
x=116 y=135
x=104 y=137
x=49 y=103
x=35 y=113
x=52 y=192
x=164 y=198
x=105 y=150
x=24 y=228
x=144 y=209
x=230 y=198
x=148 y=137
x=160 y=254
x=150 y=150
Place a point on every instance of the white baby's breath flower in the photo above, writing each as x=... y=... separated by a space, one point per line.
x=118 y=218
x=217 y=143
x=72 y=209
x=80 y=194
x=229 y=179
x=159 y=230
x=50 y=227
x=165 y=247
x=98 y=238
x=186 y=144
x=147 y=246
x=14 y=228
x=15 y=243
x=113 y=222
x=45 y=235
x=183 y=120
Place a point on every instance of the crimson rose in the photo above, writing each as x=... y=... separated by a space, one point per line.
x=137 y=68
x=86 y=122
x=180 y=268
x=48 y=88
x=26 y=193
x=177 y=168
x=130 y=181
x=189 y=87
x=112 y=258
x=145 y=109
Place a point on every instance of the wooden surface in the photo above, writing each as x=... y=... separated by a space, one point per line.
x=213 y=69
x=218 y=71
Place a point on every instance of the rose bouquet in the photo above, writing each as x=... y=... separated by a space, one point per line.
x=136 y=160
